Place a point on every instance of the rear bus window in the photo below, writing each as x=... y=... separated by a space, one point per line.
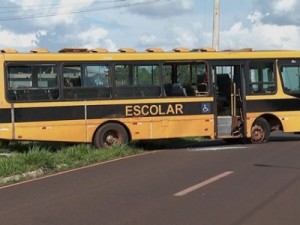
x=32 y=82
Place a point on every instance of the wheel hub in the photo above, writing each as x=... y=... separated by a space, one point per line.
x=110 y=139
x=258 y=134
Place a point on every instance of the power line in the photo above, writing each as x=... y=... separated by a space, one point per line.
x=6 y=9
x=66 y=4
x=125 y=5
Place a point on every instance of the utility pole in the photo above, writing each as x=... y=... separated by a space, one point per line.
x=216 y=25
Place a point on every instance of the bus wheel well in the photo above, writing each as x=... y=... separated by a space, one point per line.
x=262 y=127
x=274 y=122
x=109 y=133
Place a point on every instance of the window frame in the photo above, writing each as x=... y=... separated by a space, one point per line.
x=81 y=92
x=34 y=93
x=288 y=63
x=192 y=87
x=132 y=90
x=250 y=91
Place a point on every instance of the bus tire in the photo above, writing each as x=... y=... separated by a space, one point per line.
x=260 y=131
x=109 y=134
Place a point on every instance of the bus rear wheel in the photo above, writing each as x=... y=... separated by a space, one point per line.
x=110 y=134
x=260 y=131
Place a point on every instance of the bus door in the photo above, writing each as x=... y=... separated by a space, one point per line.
x=229 y=98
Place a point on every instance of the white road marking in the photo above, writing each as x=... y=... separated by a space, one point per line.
x=202 y=184
x=219 y=148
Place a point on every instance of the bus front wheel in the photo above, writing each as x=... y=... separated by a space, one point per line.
x=109 y=134
x=260 y=131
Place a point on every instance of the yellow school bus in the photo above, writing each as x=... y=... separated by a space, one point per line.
x=100 y=97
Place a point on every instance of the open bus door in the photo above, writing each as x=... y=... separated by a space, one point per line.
x=229 y=95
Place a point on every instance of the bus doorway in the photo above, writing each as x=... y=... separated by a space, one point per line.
x=229 y=95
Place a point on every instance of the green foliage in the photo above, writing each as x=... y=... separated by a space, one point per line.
x=38 y=158
x=32 y=157
x=54 y=157
x=9 y=166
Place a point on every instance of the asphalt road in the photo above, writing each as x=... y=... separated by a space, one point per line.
x=215 y=185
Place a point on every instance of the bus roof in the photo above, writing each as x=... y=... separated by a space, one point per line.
x=129 y=54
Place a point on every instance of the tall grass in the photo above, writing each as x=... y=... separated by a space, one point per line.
x=51 y=158
x=34 y=157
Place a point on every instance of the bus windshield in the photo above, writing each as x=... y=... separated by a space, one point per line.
x=291 y=79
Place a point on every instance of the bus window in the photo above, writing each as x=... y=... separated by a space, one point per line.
x=32 y=82
x=291 y=79
x=185 y=79
x=96 y=76
x=96 y=82
x=261 y=78
x=137 y=80
x=72 y=76
x=86 y=82
x=71 y=79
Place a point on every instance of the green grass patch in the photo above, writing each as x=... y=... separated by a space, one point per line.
x=26 y=158
x=34 y=159
x=55 y=157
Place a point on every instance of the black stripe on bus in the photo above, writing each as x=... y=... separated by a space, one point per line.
x=49 y=113
x=273 y=105
x=5 y=115
x=36 y=114
x=119 y=111
x=150 y=110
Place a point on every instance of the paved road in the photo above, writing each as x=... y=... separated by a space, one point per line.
x=216 y=185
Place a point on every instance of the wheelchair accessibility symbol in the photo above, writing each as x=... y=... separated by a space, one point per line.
x=206 y=107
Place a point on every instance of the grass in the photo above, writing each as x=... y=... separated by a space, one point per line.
x=25 y=158
x=52 y=158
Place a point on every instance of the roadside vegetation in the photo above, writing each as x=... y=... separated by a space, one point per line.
x=25 y=160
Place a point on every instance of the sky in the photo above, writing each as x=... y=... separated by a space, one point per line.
x=141 y=24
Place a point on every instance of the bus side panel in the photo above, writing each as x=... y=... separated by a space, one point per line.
x=281 y=109
x=159 y=128
x=291 y=121
x=6 y=131
x=70 y=131
x=172 y=127
x=138 y=128
x=185 y=126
